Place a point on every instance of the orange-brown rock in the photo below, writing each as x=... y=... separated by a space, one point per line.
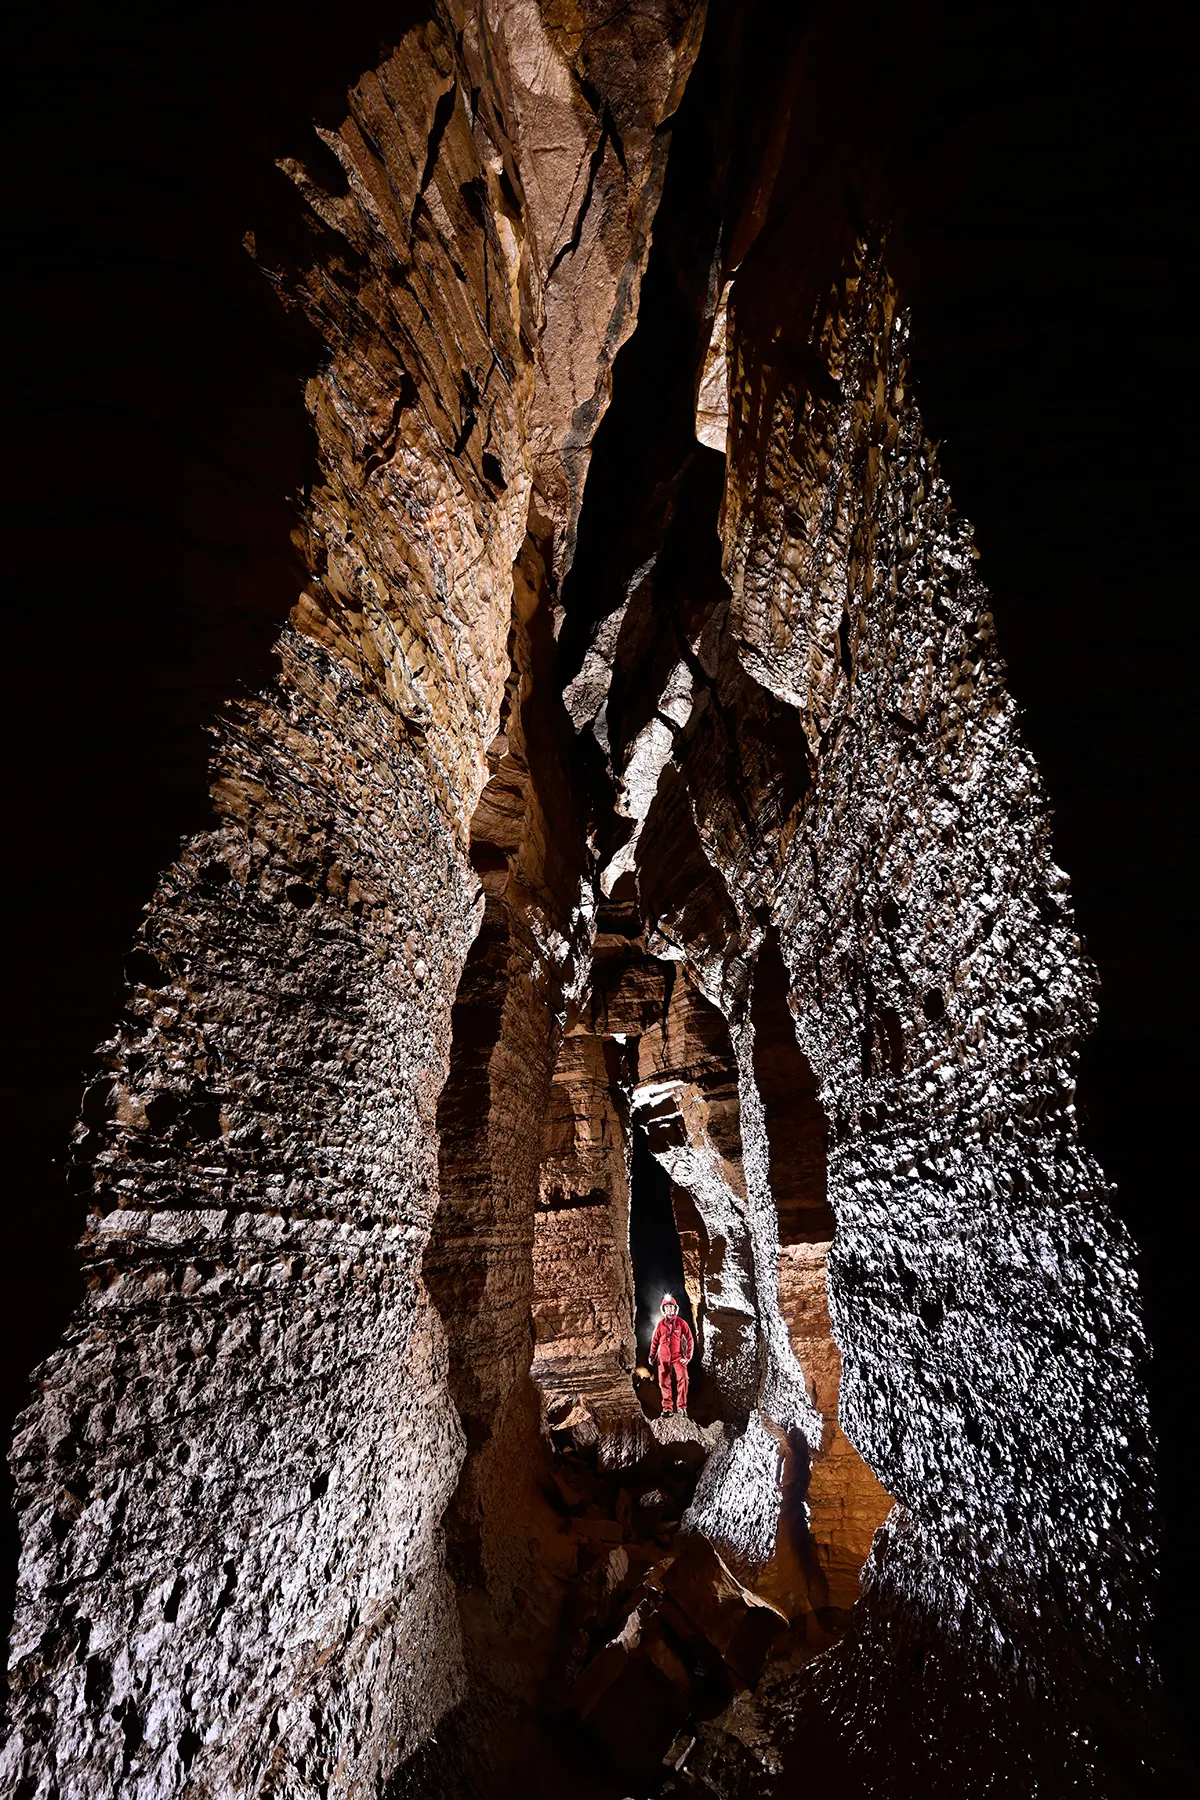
x=740 y=1625
x=696 y=1637
x=846 y=1504
x=282 y=1134
x=583 y=1300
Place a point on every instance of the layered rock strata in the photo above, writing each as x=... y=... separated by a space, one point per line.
x=640 y=760
x=845 y=1503
x=234 y=1477
x=583 y=1307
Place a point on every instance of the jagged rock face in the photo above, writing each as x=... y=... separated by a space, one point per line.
x=938 y=989
x=650 y=770
x=235 y=1475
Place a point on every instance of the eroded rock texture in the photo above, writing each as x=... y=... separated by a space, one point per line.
x=632 y=767
x=583 y=1306
x=236 y=1472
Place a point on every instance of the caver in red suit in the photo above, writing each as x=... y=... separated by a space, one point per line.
x=670 y=1353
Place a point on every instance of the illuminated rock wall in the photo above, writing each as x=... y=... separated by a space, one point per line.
x=980 y=1291
x=233 y=1478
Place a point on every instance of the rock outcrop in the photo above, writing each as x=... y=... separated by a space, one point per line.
x=844 y=1502
x=640 y=761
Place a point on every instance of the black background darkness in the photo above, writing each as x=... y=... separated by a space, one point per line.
x=157 y=439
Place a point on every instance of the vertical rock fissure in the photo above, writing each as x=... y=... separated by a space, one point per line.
x=506 y=1032
x=655 y=1246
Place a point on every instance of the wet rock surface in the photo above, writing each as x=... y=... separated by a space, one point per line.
x=640 y=760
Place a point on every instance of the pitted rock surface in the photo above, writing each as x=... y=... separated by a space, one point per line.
x=234 y=1477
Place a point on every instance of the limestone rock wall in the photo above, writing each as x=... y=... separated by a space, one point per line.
x=845 y=1502
x=233 y=1476
x=841 y=805
x=583 y=1308
x=981 y=1295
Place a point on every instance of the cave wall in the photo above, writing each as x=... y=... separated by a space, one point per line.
x=233 y=1476
x=846 y=1503
x=583 y=1305
x=982 y=1295
x=835 y=768
x=478 y=1266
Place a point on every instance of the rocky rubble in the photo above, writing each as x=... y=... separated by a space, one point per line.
x=694 y=1637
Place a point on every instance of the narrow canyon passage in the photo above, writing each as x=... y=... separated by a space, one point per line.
x=634 y=882
x=666 y=1254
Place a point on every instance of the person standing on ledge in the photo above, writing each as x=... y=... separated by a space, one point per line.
x=670 y=1353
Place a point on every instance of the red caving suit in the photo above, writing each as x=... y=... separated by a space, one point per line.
x=670 y=1352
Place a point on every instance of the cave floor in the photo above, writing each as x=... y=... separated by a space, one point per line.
x=656 y=1635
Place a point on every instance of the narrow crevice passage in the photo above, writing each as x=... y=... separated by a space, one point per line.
x=654 y=1244
x=646 y=440
x=505 y=1552
x=797 y=1129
